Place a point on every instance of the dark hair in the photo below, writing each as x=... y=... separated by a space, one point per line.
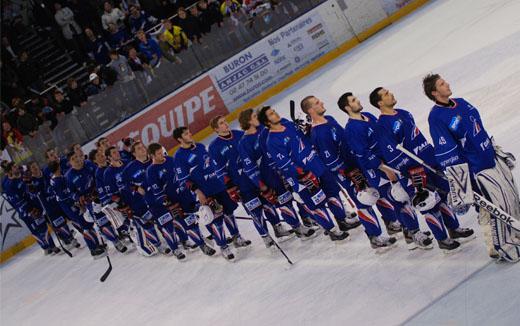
x=177 y=132
x=92 y=155
x=305 y=104
x=128 y=141
x=108 y=151
x=343 y=101
x=375 y=97
x=7 y=166
x=262 y=116
x=69 y=155
x=134 y=145
x=213 y=123
x=47 y=152
x=113 y=52
x=154 y=147
x=244 y=118
x=53 y=166
x=428 y=83
x=99 y=140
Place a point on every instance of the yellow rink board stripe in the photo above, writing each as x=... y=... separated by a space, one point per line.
x=18 y=247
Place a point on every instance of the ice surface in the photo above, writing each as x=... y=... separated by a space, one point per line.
x=475 y=45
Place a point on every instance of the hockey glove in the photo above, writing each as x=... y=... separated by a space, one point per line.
x=507 y=157
x=308 y=180
x=215 y=207
x=232 y=189
x=35 y=212
x=270 y=196
x=425 y=200
x=175 y=209
x=358 y=179
x=368 y=196
x=418 y=177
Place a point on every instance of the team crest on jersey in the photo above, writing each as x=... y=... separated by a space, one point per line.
x=334 y=134
x=454 y=123
x=415 y=132
x=224 y=150
x=301 y=146
x=191 y=158
x=476 y=126
x=207 y=161
x=442 y=141
x=397 y=126
x=286 y=140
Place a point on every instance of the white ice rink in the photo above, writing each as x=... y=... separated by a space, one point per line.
x=475 y=45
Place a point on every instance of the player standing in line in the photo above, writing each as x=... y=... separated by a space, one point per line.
x=262 y=171
x=52 y=156
x=39 y=188
x=126 y=151
x=360 y=138
x=326 y=136
x=223 y=150
x=397 y=126
x=63 y=195
x=196 y=172
x=14 y=190
x=303 y=170
x=134 y=183
x=459 y=137
x=81 y=182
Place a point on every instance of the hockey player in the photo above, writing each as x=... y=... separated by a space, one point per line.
x=360 y=138
x=303 y=170
x=397 y=126
x=134 y=180
x=30 y=211
x=460 y=137
x=62 y=193
x=126 y=152
x=51 y=155
x=223 y=150
x=195 y=171
x=261 y=170
x=81 y=182
x=39 y=188
x=326 y=136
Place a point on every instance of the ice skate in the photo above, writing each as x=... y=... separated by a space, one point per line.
x=227 y=253
x=99 y=252
x=268 y=241
x=240 y=242
x=179 y=254
x=281 y=231
x=189 y=245
x=382 y=241
x=165 y=251
x=207 y=250
x=393 y=227
x=120 y=246
x=338 y=235
x=348 y=224
x=448 y=245
x=308 y=222
x=419 y=239
x=305 y=233
x=462 y=234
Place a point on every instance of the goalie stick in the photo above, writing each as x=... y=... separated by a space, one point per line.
x=109 y=269
x=479 y=200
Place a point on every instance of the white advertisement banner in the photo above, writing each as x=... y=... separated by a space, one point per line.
x=272 y=59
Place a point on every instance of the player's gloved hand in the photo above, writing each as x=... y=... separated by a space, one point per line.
x=507 y=157
x=368 y=196
x=308 y=180
x=425 y=200
x=35 y=212
x=232 y=189
x=269 y=195
x=398 y=193
x=358 y=179
x=215 y=207
x=84 y=200
x=418 y=177
x=175 y=209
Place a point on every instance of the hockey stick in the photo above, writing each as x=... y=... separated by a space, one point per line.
x=109 y=269
x=57 y=237
x=283 y=253
x=480 y=201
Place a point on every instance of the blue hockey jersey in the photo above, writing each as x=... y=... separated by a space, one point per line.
x=459 y=136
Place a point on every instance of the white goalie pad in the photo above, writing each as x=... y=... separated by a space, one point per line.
x=114 y=216
x=205 y=215
x=459 y=179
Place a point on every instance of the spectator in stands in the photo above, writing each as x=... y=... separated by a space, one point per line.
x=11 y=136
x=167 y=50
x=189 y=24
x=164 y=9
x=112 y=15
x=62 y=104
x=86 y=14
x=196 y=14
x=28 y=72
x=97 y=47
x=118 y=36
x=231 y=8
x=34 y=107
x=76 y=94
x=139 y=19
x=150 y=48
x=65 y=19
x=175 y=36
x=26 y=122
x=210 y=13
x=120 y=64
x=95 y=86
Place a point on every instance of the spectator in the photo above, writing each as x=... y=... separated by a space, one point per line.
x=76 y=94
x=97 y=47
x=45 y=112
x=86 y=14
x=149 y=48
x=139 y=62
x=167 y=50
x=118 y=37
x=112 y=15
x=62 y=104
x=139 y=19
x=230 y=8
x=11 y=136
x=95 y=86
x=28 y=72
x=26 y=122
x=9 y=51
x=175 y=36
x=65 y=19
x=189 y=24
x=164 y=9
x=209 y=14
x=196 y=14
x=120 y=64
x=34 y=107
